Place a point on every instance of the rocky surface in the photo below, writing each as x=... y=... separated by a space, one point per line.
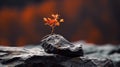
x=36 y=57
x=109 y=51
x=57 y=44
x=58 y=52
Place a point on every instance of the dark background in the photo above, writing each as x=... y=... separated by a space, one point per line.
x=94 y=21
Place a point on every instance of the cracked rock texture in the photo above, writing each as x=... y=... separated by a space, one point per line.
x=55 y=51
x=57 y=44
x=36 y=57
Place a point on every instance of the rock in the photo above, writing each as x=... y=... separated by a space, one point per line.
x=55 y=51
x=110 y=51
x=57 y=44
x=37 y=57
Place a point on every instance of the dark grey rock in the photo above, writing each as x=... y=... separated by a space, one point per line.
x=56 y=51
x=105 y=51
x=37 y=57
x=57 y=44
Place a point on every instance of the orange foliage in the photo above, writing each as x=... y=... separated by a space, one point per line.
x=53 y=22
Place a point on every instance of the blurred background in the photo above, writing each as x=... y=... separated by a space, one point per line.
x=93 y=21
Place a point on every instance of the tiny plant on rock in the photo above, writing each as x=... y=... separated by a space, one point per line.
x=53 y=21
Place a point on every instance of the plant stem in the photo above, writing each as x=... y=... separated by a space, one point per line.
x=52 y=29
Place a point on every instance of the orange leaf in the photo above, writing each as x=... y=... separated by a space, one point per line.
x=57 y=24
x=61 y=20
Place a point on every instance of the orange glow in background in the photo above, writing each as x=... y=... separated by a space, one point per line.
x=94 y=21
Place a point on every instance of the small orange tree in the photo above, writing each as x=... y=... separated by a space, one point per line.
x=53 y=21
